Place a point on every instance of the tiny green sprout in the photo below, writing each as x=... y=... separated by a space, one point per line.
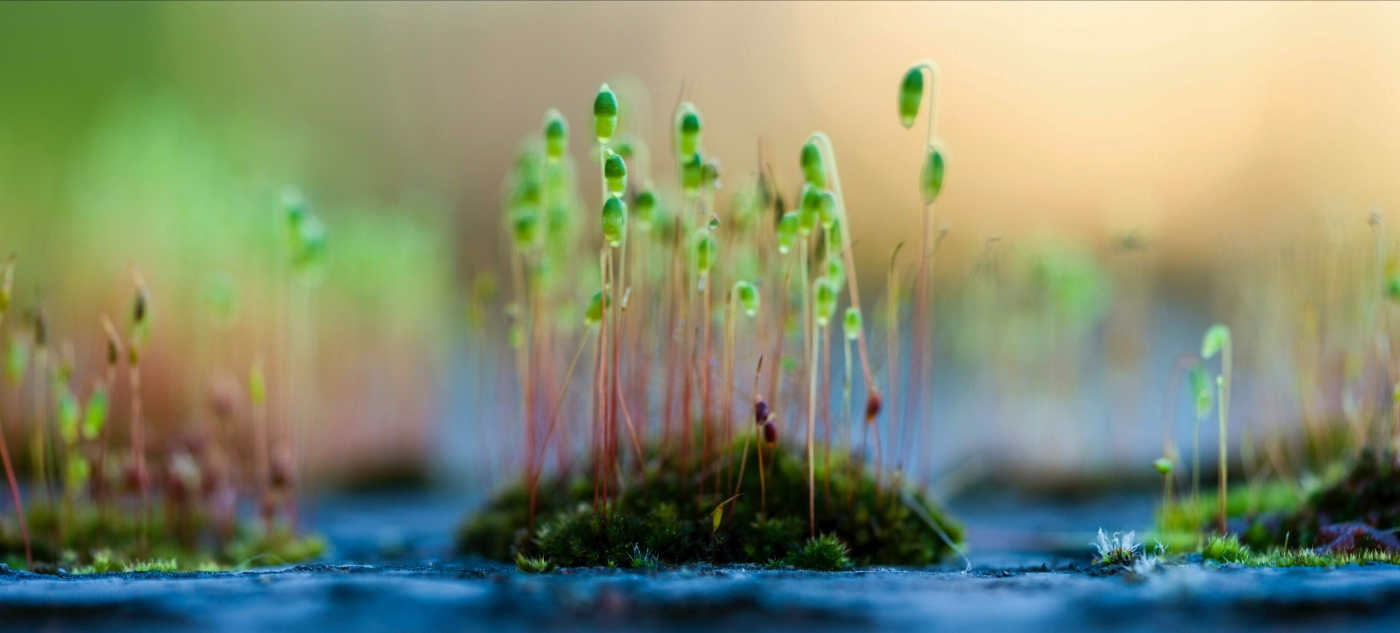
x=540 y=565
x=911 y=92
x=787 y=232
x=747 y=296
x=692 y=174
x=826 y=209
x=643 y=208
x=95 y=414
x=823 y=301
x=615 y=172
x=605 y=114
x=1163 y=466
x=556 y=135
x=851 y=323
x=813 y=170
x=596 y=305
x=688 y=130
x=810 y=207
x=931 y=176
x=525 y=227
x=704 y=252
x=614 y=221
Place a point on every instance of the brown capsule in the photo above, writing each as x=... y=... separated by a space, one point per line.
x=770 y=433
x=138 y=308
x=760 y=411
x=873 y=404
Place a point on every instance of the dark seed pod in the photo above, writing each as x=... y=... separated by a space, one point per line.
x=873 y=404
x=770 y=433
x=760 y=411
x=41 y=329
x=140 y=305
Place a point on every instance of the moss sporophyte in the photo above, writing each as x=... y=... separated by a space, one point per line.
x=667 y=451
x=103 y=501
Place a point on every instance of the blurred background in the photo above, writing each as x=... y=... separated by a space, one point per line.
x=1120 y=176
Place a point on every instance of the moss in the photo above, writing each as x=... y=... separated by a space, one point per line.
x=91 y=541
x=663 y=514
x=1225 y=549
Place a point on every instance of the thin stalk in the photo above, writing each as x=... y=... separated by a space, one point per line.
x=14 y=485
x=811 y=439
x=1223 y=384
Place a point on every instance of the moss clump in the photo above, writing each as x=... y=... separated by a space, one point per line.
x=1368 y=494
x=89 y=541
x=661 y=517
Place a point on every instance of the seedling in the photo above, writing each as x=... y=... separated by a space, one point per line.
x=1217 y=341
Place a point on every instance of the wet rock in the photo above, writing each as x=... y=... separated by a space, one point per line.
x=1351 y=537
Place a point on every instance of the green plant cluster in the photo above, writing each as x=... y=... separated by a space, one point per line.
x=660 y=520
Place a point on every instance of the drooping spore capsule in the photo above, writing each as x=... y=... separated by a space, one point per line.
x=911 y=92
x=826 y=209
x=615 y=173
x=525 y=227
x=594 y=313
x=704 y=252
x=614 y=221
x=787 y=232
x=770 y=433
x=873 y=404
x=643 y=207
x=747 y=296
x=813 y=169
x=809 y=209
x=688 y=130
x=761 y=412
x=709 y=174
x=851 y=323
x=836 y=272
x=713 y=224
x=931 y=176
x=823 y=301
x=605 y=114
x=556 y=135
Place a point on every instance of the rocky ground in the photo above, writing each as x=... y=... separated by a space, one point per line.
x=392 y=570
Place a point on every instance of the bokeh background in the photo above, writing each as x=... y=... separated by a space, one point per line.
x=1120 y=176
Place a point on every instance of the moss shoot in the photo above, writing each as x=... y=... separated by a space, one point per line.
x=660 y=518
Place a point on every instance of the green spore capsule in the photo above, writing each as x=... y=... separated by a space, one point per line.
x=692 y=174
x=688 y=130
x=809 y=209
x=812 y=168
x=709 y=174
x=787 y=232
x=596 y=305
x=615 y=172
x=644 y=207
x=556 y=135
x=851 y=323
x=1163 y=466
x=931 y=176
x=911 y=92
x=747 y=296
x=525 y=227
x=95 y=414
x=68 y=414
x=826 y=209
x=1217 y=337
x=614 y=221
x=605 y=114
x=835 y=272
x=834 y=241
x=823 y=301
x=704 y=252
x=713 y=224
x=1201 y=390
